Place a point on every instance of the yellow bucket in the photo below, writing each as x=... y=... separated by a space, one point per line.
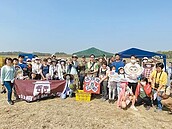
x=82 y=96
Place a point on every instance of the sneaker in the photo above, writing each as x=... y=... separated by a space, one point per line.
x=3 y=91
x=109 y=100
x=104 y=99
x=134 y=108
x=170 y=112
x=148 y=107
x=113 y=101
x=11 y=102
x=159 y=110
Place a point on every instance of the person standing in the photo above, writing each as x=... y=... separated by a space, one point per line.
x=169 y=71
x=7 y=78
x=73 y=68
x=118 y=62
x=104 y=69
x=92 y=67
x=133 y=70
x=81 y=68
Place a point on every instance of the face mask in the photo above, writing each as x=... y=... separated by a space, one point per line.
x=148 y=66
x=37 y=61
x=67 y=77
x=143 y=83
x=113 y=70
x=133 y=61
x=121 y=72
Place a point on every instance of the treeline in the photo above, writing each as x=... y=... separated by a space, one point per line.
x=35 y=53
x=167 y=53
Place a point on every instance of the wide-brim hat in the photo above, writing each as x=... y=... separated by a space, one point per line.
x=156 y=57
x=62 y=60
x=92 y=55
x=37 y=58
x=53 y=60
x=71 y=76
x=74 y=56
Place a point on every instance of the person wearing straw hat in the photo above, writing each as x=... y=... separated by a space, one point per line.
x=70 y=87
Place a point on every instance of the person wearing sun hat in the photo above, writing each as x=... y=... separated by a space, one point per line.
x=36 y=69
x=72 y=68
x=62 y=69
x=70 y=87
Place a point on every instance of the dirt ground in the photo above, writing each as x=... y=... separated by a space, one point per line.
x=71 y=114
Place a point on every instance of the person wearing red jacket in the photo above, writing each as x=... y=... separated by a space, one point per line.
x=143 y=93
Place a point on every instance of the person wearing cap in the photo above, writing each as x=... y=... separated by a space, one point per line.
x=148 y=68
x=118 y=62
x=53 y=72
x=81 y=68
x=144 y=60
x=53 y=56
x=92 y=67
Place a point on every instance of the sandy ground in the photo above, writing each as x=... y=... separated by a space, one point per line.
x=70 y=114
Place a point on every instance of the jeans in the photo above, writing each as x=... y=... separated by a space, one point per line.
x=104 y=89
x=9 y=87
x=159 y=98
x=81 y=79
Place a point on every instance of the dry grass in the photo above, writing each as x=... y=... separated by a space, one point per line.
x=64 y=114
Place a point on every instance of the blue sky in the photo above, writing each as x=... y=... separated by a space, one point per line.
x=73 y=25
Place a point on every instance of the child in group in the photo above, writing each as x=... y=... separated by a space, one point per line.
x=122 y=78
x=125 y=97
x=112 y=84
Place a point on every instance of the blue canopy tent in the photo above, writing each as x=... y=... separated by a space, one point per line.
x=141 y=53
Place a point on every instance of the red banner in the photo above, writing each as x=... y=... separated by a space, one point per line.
x=31 y=90
x=92 y=85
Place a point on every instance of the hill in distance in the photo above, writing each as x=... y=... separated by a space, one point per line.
x=93 y=50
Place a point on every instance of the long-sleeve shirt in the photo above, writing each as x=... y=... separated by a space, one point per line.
x=7 y=73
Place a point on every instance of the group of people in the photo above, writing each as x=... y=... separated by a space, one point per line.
x=133 y=83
